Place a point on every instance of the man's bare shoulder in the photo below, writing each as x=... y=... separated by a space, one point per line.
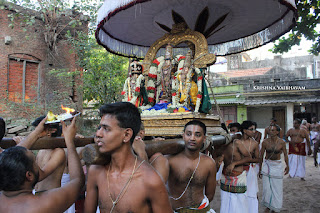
x=94 y=169
x=150 y=177
x=290 y=130
x=58 y=152
x=255 y=144
x=304 y=131
x=207 y=159
x=237 y=142
x=282 y=142
x=172 y=158
x=265 y=141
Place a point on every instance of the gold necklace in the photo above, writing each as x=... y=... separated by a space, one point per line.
x=125 y=187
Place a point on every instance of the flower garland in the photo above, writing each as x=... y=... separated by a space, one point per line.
x=154 y=85
x=134 y=91
x=175 y=82
x=199 y=84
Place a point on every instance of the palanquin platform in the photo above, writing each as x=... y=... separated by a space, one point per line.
x=172 y=124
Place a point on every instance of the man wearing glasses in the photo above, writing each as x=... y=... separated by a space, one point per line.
x=237 y=154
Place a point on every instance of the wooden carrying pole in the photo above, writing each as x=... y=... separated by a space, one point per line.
x=48 y=142
x=91 y=154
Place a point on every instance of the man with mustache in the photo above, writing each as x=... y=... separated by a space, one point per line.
x=192 y=176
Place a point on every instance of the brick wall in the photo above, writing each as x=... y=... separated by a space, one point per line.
x=41 y=88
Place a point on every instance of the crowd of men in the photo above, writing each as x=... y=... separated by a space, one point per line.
x=132 y=182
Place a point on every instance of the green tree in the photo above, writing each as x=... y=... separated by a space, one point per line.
x=104 y=73
x=308 y=12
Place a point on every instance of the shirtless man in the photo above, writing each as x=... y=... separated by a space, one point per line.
x=272 y=170
x=192 y=176
x=250 y=149
x=297 y=150
x=267 y=129
x=127 y=183
x=316 y=154
x=51 y=161
x=20 y=173
x=314 y=130
x=234 y=180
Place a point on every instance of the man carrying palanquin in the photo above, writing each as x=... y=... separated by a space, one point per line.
x=297 y=149
x=126 y=183
x=250 y=149
x=19 y=174
x=271 y=170
x=51 y=161
x=192 y=176
x=234 y=179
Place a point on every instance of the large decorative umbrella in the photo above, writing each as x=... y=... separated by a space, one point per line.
x=130 y=27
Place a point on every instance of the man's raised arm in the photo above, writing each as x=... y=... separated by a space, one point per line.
x=61 y=198
x=33 y=136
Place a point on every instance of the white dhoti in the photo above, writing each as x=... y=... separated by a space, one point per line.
x=203 y=207
x=297 y=165
x=314 y=137
x=64 y=180
x=233 y=196
x=272 y=195
x=252 y=189
x=219 y=173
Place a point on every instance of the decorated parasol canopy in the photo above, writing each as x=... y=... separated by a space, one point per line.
x=130 y=27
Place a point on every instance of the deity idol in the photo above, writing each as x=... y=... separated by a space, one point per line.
x=133 y=89
x=166 y=76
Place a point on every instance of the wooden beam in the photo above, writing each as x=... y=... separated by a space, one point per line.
x=91 y=154
x=48 y=142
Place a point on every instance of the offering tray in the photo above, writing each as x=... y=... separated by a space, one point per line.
x=63 y=117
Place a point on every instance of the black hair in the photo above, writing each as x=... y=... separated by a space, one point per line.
x=255 y=124
x=126 y=113
x=277 y=127
x=197 y=123
x=246 y=125
x=14 y=163
x=2 y=128
x=236 y=124
x=273 y=119
x=58 y=133
x=298 y=120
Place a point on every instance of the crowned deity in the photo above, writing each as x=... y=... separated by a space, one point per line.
x=167 y=67
x=133 y=89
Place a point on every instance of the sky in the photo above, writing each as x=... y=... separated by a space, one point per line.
x=262 y=53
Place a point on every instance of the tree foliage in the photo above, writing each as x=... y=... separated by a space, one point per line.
x=308 y=19
x=104 y=73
